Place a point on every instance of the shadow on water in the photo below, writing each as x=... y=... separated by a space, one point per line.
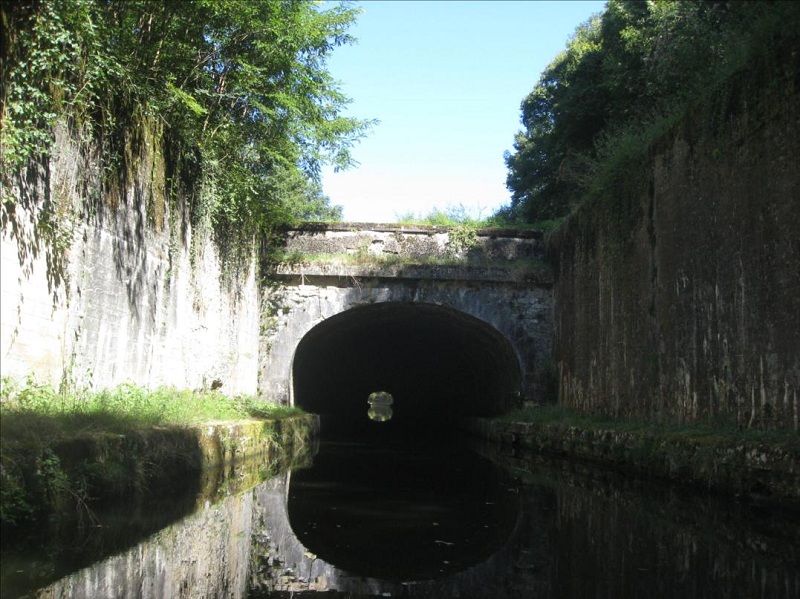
x=431 y=520
x=80 y=538
x=43 y=553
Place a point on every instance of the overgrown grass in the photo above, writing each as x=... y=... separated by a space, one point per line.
x=545 y=226
x=555 y=414
x=716 y=455
x=460 y=217
x=115 y=442
x=562 y=417
x=33 y=409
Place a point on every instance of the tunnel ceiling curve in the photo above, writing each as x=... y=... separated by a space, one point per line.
x=436 y=362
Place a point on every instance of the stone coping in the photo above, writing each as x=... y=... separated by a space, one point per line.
x=748 y=470
x=435 y=272
x=311 y=227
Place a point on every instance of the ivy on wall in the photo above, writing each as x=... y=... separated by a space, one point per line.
x=230 y=101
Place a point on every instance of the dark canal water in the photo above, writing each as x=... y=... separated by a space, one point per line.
x=417 y=519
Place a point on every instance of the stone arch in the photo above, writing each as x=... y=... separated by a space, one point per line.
x=440 y=364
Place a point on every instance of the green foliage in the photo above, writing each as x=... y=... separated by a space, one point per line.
x=452 y=216
x=34 y=410
x=462 y=239
x=463 y=226
x=51 y=64
x=256 y=408
x=624 y=79
x=298 y=198
x=560 y=417
x=38 y=423
x=507 y=217
x=459 y=216
x=248 y=110
x=15 y=506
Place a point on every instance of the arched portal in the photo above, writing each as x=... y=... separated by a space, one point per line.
x=438 y=364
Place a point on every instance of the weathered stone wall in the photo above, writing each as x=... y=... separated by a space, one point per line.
x=748 y=469
x=107 y=284
x=129 y=292
x=306 y=295
x=496 y=276
x=681 y=298
x=414 y=241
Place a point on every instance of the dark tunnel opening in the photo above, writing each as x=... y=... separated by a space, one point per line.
x=437 y=364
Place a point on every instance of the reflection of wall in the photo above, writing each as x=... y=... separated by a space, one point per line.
x=580 y=533
x=205 y=555
x=672 y=555
x=592 y=533
x=282 y=563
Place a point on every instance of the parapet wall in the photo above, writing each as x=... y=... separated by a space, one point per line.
x=414 y=242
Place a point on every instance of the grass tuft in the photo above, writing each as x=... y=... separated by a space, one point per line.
x=33 y=410
x=41 y=427
x=714 y=431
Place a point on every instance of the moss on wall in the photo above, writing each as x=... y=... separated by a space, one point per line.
x=759 y=470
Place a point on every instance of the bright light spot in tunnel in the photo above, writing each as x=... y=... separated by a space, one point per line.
x=380 y=406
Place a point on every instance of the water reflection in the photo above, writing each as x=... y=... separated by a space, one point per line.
x=554 y=530
x=401 y=513
x=611 y=536
x=380 y=406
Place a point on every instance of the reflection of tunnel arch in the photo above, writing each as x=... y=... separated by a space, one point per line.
x=437 y=363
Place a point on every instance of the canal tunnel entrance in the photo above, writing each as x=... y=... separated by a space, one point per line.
x=400 y=368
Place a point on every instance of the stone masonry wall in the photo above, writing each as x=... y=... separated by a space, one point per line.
x=681 y=299
x=497 y=276
x=521 y=313
x=132 y=294
x=414 y=241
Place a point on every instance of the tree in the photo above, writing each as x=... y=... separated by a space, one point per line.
x=241 y=87
x=624 y=73
x=561 y=115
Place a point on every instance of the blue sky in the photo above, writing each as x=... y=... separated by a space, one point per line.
x=446 y=80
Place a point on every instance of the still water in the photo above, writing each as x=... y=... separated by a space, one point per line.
x=418 y=519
